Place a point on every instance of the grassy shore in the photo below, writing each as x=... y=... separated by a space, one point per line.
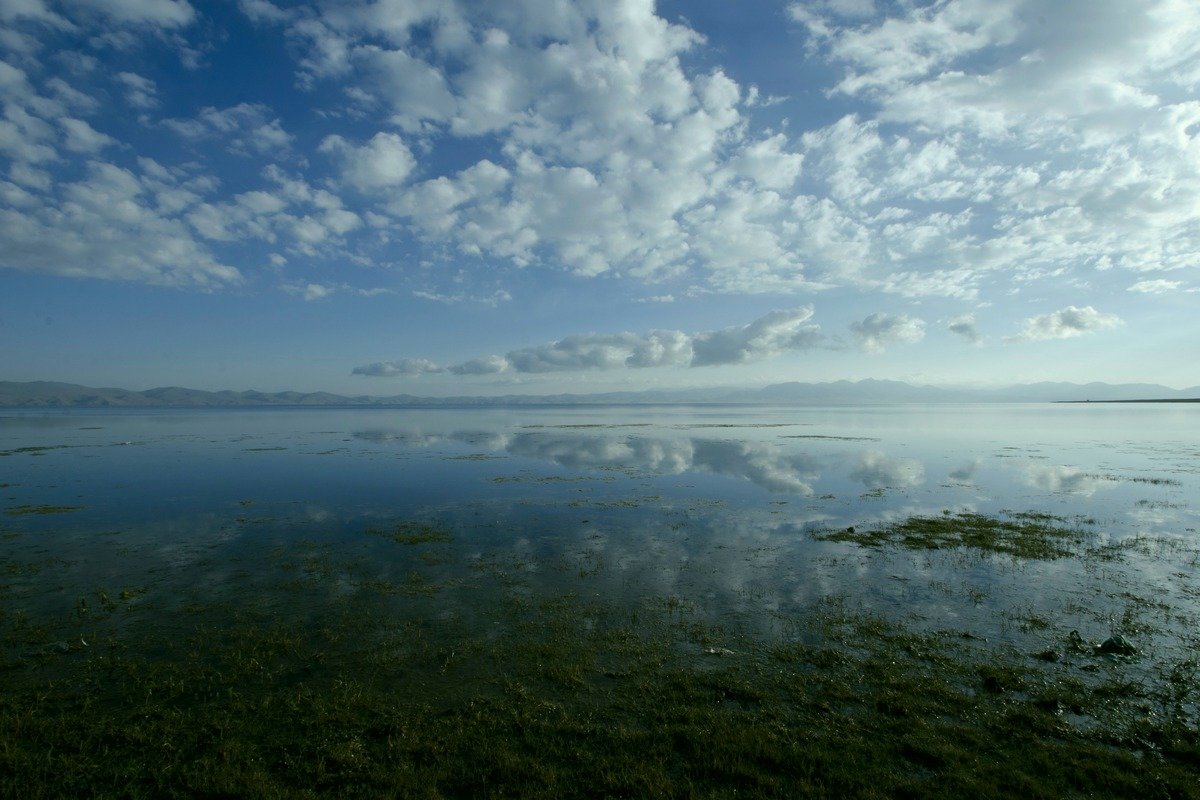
x=490 y=684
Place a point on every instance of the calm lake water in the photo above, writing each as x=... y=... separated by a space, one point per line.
x=714 y=506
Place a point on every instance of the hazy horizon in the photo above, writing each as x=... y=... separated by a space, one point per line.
x=799 y=391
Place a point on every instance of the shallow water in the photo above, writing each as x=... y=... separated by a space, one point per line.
x=711 y=507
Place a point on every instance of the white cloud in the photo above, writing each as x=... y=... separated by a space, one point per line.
x=771 y=335
x=25 y=137
x=162 y=13
x=495 y=298
x=1155 y=286
x=879 y=330
x=247 y=127
x=385 y=162
x=107 y=225
x=311 y=221
x=264 y=11
x=17 y=10
x=83 y=138
x=613 y=158
x=984 y=145
x=315 y=291
x=391 y=369
x=1065 y=324
x=29 y=177
x=490 y=365
x=311 y=292
x=140 y=92
x=966 y=114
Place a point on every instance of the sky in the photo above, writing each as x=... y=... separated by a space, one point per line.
x=449 y=197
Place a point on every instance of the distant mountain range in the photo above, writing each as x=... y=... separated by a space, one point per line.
x=45 y=394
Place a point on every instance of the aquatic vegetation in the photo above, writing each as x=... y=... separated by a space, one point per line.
x=1024 y=535
x=831 y=438
x=17 y=511
x=412 y=533
x=527 y=702
x=1153 y=481
x=34 y=450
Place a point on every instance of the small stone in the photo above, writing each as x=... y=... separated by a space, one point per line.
x=1049 y=655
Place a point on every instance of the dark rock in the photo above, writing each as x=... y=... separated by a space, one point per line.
x=1117 y=645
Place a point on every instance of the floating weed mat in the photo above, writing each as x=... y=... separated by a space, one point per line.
x=1018 y=534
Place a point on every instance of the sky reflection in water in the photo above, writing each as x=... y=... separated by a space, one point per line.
x=715 y=505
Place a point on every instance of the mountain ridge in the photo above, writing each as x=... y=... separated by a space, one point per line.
x=54 y=394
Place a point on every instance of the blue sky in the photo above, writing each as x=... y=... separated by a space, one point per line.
x=445 y=197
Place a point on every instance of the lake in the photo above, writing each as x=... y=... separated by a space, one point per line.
x=127 y=532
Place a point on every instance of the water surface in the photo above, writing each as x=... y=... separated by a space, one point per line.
x=716 y=505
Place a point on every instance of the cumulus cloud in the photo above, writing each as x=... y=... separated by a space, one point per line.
x=777 y=332
x=108 y=224
x=383 y=162
x=404 y=366
x=962 y=109
x=247 y=128
x=612 y=156
x=313 y=291
x=771 y=335
x=964 y=326
x=314 y=221
x=481 y=366
x=983 y=146
x=1066 y=323
x=879 y=330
